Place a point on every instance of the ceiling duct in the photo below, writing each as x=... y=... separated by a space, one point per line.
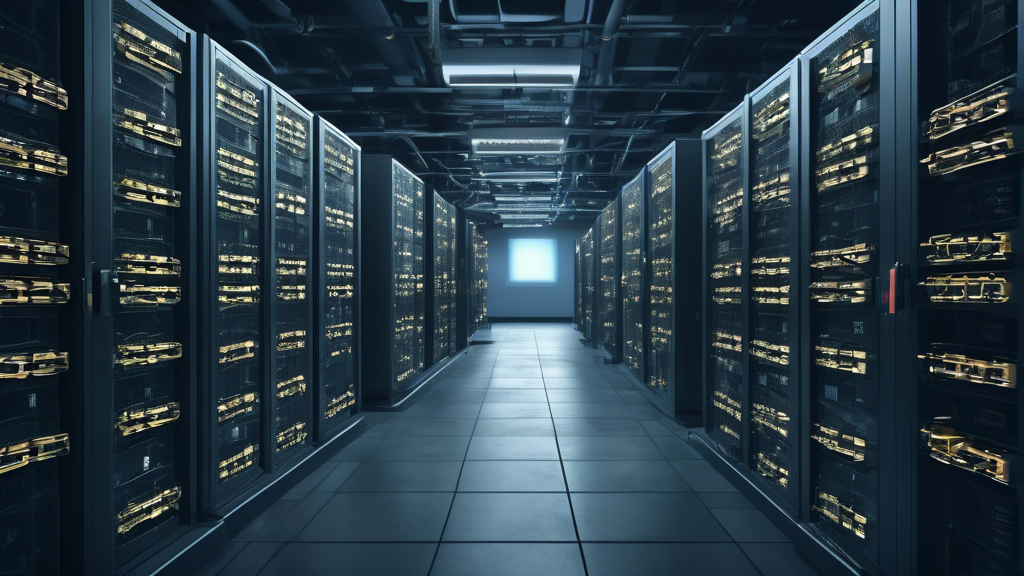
x=511 y=67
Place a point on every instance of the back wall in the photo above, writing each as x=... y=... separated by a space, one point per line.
x=506 y=300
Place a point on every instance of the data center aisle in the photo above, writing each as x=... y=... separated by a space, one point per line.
x=472 y=480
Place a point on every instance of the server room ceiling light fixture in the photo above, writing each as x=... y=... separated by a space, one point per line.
x=517 y=146
x=524 y=199
x=516 y=67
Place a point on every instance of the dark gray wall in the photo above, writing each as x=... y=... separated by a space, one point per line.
x=523 y=301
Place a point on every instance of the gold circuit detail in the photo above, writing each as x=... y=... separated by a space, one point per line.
x=138 y=123
x=968 y=288
x=770 y=418
x=27 y=290
x=142 y=49
x=949 y=248
x=138 y=191
x=847 y=256
x=966 y=369
x=135 y=421
x=726 y=270
x=339 y=404
x=240 y=462
x=768 y=466
x=728 y=405
x=844 y=292
x=237 y=264
x=852 y=361
x=128 y=355
x=291 y=386
x=293 y=340
x=769 y=352
x=229 y=294
x=14 y=250
x=145 y=295
x=35 y=157
x=763 y=266
x=777 y=187
x=31 y=85
x=237 y=203
x=726 y=341
x=296 y=434
x=840 y=514
x=21 y=366
x=149 y=509
x=38 y=449
x=851 y=446
x=853 y=67
x=148 y=264
x=235 y=406
x=949 y=447
x=992 y=147
x=232 y=353
x=986 y=104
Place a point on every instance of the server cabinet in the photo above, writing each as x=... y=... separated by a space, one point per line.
x=588 y=270
x=235 y=428
x=634 y=277
x=336 y=293
x=443 y=265
x=577 y=288
x=34 y=359
x=288 y=248
x=478 y=271
x=848 y=242
x=394 y=307
x=773 y=246
x=143 y=328
x=724 y=184
x=966 y=329
x=674 y=345
x=609 y=312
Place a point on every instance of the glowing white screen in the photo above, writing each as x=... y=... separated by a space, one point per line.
x=532 y=261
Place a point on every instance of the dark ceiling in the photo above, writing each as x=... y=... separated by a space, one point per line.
x=648 y=72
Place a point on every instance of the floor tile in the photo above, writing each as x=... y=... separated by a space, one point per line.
x=592 y=410
x=337 y=477
x=522 y=383
x=512 y=448
x=462 y=383
x=455 y=395
x=483 y=517
x=284 y=520
x=404 y=477
x=599 y=427
x=310 y=482
x=223 y=558
x=655 y=428
x=251 y=559
x=644 y=412
x=511 y=476
x=514 y=427
x=516 y=372
x=777 y=560
x=676 y=448
x=552 y=383
x=432 y=427
x=331 y=559
x=746 y=525
x=583 y=395
x=515 y=410
x=506 y=395
x=516 y=361
x=702 y=477
x=442 y=410
x=358 y=449
x=385 y=517
x=608 y=448
x=491 y=559
x=380 y=428
x=646 y=517
x=618 y=476
x=724 y=500
x=419 y=449
x=705 y=559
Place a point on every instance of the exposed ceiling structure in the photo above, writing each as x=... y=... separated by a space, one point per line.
x=524 y=112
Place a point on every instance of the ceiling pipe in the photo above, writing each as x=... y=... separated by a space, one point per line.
x=606 y=55
x=373 y=14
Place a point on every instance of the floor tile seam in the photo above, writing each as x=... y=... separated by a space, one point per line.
x=233 y=557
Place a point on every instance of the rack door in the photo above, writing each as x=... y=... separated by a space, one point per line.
x=445 y=267
x=633 y=277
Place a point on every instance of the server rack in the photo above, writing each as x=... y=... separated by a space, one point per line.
x=773 y=248
x=336 y=294
x=634 y=276
x=235 y=429
x=478 y=279
x=609 y=312
x=443 y=264
x=588 y=270
x=726 y=400
x=142 y=334
x=34 y=359
x=394 y=306
x=850 y=288
x=966 y=320
x=674 y=347
x=577 y=287
x=289 y=405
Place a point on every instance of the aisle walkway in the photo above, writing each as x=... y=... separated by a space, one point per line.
x=472 y=480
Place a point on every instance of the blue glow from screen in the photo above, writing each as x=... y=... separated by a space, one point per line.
x=532 y=261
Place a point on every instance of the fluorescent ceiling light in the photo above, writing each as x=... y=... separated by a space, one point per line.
x=519 y=180
x=501 y=146
x=525 y=216
x=516 y=198
x=511 y=225
x=511 y=67
x=532 y=261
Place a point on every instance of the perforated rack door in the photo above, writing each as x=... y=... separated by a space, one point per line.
x=445 y=267
x=588 y=267
x=292 y=165
x=407 y=269
x=724 y=182
x=237 y=252
x=478 y=278
x=967 y=208
x=633 y=275
x=609 y=282
x=844 y=191
x=577 y=310
x=661 y=336
x=338 y=206
x=32 y=347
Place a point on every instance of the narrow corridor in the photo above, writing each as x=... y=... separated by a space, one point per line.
x=528 y=456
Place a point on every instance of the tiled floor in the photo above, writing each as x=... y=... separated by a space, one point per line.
x=529 y=456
